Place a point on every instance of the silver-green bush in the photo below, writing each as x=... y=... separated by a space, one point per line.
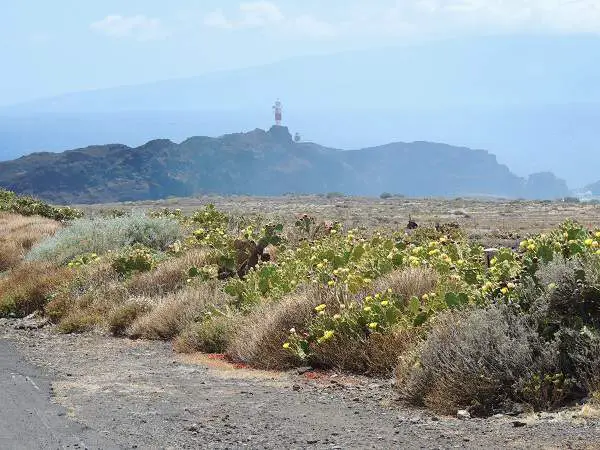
x=101 y=235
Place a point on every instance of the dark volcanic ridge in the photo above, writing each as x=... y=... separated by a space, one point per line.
x=267 y=163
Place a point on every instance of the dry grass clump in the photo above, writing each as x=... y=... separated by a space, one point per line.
x=174 y=312
x=78 y=321
x=169 y=276
x=123 y=315
x=209 y=336
x=412 y=281
x=28 y=287
x=376 y=354
x=19 y=234
x=94 y=289
x=259 y=338
x=475 y=360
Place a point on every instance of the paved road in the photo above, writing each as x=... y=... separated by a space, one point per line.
x=28 y=418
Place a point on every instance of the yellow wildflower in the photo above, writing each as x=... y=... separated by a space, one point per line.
x=373 y=325
x=321 y=307
x=286 y=345
x=367 y=309
x=385 y=303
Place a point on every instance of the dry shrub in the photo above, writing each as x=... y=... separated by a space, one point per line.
x=209 y=336
x=92 y=285
x=79 y=321
x=375 y=355
x=473 y=360
x=169 y=276
x=259 y=338
x=19 y=234
x=122 y=316
x=28 y=287
x=11 y=254
x=174 y=312
x=412 y=281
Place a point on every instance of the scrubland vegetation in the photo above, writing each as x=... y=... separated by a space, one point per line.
x=458 y=327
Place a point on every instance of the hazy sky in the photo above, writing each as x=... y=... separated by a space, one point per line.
x=49 y=47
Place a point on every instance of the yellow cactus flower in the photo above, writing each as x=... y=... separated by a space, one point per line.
x=504 y=290
x=326 y=336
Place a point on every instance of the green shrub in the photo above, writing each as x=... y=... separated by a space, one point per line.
x=136 y=259
x=102 y=235
x=30 y=206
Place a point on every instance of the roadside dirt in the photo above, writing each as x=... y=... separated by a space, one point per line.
x=140 y=394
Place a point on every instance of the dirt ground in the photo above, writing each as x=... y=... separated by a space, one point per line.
x=477 y=216
x=139 y=394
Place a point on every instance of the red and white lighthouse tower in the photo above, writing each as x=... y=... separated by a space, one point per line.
x=278 y=110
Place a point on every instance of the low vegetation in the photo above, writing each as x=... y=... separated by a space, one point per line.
x=458 y=326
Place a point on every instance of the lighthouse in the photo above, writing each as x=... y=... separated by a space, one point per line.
x=278 y=110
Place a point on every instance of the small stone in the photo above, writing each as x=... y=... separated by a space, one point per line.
x=463 y=414
x=518 y=424
x=193 y=428
x=303 y=370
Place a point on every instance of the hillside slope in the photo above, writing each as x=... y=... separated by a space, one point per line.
x=265 y=163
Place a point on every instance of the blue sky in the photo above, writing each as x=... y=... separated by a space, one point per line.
x=52 y=47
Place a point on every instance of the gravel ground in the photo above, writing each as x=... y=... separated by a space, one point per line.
x=139 y=394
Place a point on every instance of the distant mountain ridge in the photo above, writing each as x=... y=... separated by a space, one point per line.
x=266 y=163
x=530 y=99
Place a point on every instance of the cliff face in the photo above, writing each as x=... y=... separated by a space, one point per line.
x=265 y=163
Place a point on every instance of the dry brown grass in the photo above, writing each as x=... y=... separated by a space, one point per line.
x=123 y=315
x=173 y=313
x=18 y=234
x=94 y=289
x=169 y=276
x=375 y=355
x=408 y=282
x=259 y=338
x=28 y=287
x=212 y=335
